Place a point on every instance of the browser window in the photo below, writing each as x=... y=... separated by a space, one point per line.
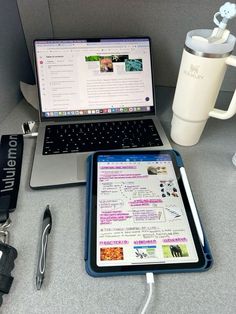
x=78 y=77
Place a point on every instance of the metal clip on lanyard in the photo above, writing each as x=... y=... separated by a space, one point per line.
x=8 y=255
x=4 y=233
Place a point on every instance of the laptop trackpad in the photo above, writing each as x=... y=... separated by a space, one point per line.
x=55 y=170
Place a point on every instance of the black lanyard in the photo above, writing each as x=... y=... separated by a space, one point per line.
x=11 y=150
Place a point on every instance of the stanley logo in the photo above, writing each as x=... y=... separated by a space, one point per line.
x=193 y=72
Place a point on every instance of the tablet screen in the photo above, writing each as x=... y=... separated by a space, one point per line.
x=142 y=214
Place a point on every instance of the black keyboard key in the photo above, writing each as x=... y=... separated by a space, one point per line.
x=84 y=137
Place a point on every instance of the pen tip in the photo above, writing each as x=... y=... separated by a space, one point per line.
x=47 y=212
x=38 y=283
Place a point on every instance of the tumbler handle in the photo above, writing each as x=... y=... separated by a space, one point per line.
x=226 y=114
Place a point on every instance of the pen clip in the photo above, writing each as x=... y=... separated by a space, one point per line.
x=44 y=241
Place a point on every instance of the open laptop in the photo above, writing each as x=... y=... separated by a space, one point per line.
x=94 y=94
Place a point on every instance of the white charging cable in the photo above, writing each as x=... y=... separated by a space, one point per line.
x=150 y=282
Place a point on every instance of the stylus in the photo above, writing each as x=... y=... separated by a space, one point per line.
x=192 y=204
x=46 y=228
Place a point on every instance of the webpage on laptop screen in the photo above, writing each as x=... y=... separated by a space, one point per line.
x=77 y=77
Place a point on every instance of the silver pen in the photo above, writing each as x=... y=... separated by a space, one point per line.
x=46 y=228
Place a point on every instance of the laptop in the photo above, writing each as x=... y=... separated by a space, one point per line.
x=94 y=94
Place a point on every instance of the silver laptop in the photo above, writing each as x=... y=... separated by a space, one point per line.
x=95 y=94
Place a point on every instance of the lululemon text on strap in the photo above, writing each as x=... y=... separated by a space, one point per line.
x=11 y=150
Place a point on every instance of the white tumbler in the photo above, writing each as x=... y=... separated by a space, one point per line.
x=201 y=73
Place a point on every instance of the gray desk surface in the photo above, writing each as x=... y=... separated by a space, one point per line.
x=68 y=289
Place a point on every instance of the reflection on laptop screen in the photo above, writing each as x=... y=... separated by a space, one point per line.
x=80 y=77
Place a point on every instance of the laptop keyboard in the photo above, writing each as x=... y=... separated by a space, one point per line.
x=85 y=137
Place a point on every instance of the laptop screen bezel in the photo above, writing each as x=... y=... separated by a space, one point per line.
x=95 y=116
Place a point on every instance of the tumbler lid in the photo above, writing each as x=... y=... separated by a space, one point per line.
x=208 y=47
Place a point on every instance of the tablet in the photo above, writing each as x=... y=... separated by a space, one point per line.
x=141 y=216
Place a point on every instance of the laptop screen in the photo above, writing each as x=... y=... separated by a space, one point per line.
x=94 y=77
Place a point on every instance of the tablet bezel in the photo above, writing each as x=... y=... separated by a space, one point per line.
x=140 y=268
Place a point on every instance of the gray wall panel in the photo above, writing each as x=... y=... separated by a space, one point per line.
x=14 y=58
x=36 y=21
x=166 y=22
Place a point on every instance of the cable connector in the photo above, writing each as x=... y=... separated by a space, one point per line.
x=30 y=129
x=150 y=278
x=150 y=282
